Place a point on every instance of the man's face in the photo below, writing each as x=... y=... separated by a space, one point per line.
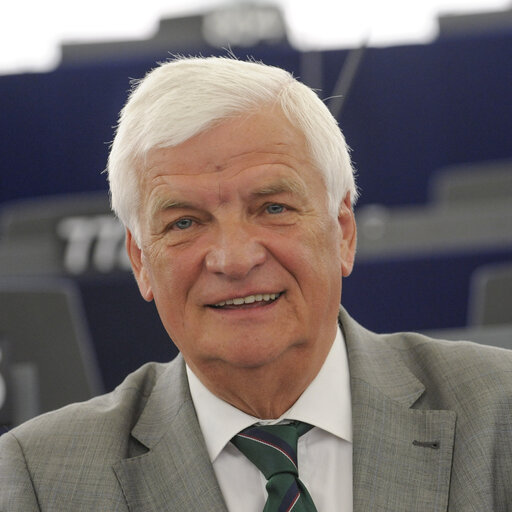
x=239 y=251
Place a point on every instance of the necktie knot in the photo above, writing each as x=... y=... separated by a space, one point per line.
x=273 y=450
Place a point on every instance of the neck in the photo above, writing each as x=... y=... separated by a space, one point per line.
x=265 y=392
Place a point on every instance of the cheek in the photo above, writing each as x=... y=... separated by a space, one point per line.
x=323 y=265
x=313 y=259
x=321 y=245
x=177 y=276
x=167 y=273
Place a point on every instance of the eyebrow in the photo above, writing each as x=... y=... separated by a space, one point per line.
x=168 y=204
x=280 y=186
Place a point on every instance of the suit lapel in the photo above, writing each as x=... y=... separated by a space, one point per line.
x=176 y=473
x=402 y=456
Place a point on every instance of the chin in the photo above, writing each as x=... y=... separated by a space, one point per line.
x=259 y=355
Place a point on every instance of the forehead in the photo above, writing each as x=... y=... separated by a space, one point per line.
x=261 y=138
x=252 y=156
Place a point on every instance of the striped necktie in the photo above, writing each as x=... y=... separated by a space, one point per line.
x=273 y=450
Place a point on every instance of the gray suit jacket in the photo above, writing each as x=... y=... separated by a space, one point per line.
x=432 y=432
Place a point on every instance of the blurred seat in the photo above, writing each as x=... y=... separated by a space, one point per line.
x=414 y=264
x=416 y=291
x=397 y=231
x=471 y=184
x=52 y=362
x=29 y=216
x=77 y=238
x=59 y=235
x=490 y=299
x=496 y=336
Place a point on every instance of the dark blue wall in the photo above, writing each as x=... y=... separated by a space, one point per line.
x=412 y=110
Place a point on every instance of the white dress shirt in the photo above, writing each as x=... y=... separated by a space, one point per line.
x=324 y=453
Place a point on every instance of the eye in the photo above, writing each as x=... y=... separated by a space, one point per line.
x=275 y=208
x=182 y=224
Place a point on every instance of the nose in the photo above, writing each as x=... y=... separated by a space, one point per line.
x=234 y=251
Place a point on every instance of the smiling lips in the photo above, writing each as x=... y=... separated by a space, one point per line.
x=250 y=299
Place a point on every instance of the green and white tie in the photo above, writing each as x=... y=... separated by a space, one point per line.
x=273 y=450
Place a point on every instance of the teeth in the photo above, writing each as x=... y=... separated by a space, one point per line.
x=250 y=299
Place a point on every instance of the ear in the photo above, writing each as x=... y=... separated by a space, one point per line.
x=139 y=269
x=347 y=222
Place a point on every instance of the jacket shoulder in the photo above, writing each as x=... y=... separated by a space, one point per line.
x=116 y=407
x=48 y=455
x=457 y=372
x=100 y=425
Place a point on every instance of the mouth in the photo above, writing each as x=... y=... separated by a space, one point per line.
x=259 y=299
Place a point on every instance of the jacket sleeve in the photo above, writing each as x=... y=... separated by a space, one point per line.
x=17 y=493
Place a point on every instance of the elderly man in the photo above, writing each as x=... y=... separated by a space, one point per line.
x=236 y=190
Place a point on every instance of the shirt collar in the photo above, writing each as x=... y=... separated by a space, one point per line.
x=326 y=403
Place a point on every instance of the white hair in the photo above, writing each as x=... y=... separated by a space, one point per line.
x=186 y=96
